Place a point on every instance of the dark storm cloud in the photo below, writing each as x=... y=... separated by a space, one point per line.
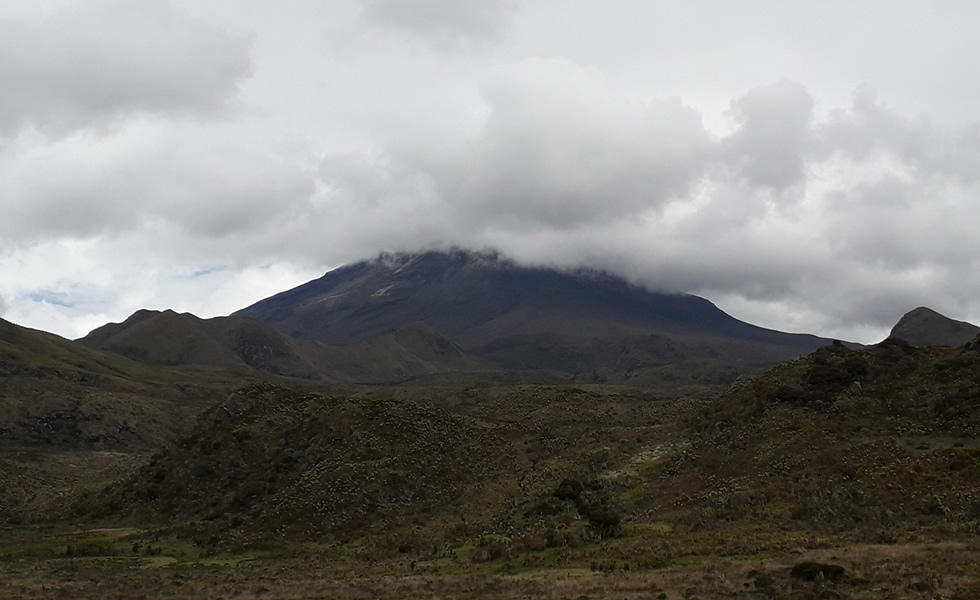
x=94 y=60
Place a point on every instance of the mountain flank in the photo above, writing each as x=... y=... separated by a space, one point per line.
x=926 y=327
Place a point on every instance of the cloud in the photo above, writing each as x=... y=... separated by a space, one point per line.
x=871 y=131
x=206 y=180
x=443 y=22
x=559 y=149
x=774 y=137
x=92 y=61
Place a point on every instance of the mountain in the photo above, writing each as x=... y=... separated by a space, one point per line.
x=925 y=327
x=521 y=317
x=169 y=338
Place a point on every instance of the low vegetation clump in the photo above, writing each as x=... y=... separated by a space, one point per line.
x=815 y=570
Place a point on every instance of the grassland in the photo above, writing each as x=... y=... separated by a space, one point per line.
x=864 y=463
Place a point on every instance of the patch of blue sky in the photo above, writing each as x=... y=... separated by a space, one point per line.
x=210 y=271
x=49 y=297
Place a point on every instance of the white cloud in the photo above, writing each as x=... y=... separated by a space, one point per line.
x=773 y=138
x=559 y=149
x=88 y=62
x=208 y=180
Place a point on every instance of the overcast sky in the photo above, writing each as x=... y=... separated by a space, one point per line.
x=807 y=166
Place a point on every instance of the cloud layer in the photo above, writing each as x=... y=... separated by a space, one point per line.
x=90 y=62
x=166 y=154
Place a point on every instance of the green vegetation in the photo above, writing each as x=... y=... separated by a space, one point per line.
x=847 y=474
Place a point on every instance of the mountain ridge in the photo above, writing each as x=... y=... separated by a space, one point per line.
x=234 y=342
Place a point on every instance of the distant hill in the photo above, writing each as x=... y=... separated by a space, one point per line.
x=925 y=327
x=522 y=317
x=55 y=393
x=169 y=338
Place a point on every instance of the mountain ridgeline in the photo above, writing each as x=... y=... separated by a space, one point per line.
x=172 y=339
x=517 y=317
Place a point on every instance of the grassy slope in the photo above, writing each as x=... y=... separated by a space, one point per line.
x=856 y=457
x=875 y=445
x=72 y=417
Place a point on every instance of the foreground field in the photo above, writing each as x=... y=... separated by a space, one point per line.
x=49 y=566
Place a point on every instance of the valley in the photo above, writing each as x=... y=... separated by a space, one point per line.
x=176 y=457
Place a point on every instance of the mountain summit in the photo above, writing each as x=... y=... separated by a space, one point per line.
x=522 y=317
x=925 y=327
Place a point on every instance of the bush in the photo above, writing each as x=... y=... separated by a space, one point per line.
x=793 y=395
x=569 y=489
x=603 y=519
x=812 y=570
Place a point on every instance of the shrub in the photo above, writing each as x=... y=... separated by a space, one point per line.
x=603 y=519
x=794 y=395
x=569 y=489
x=812 y=570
